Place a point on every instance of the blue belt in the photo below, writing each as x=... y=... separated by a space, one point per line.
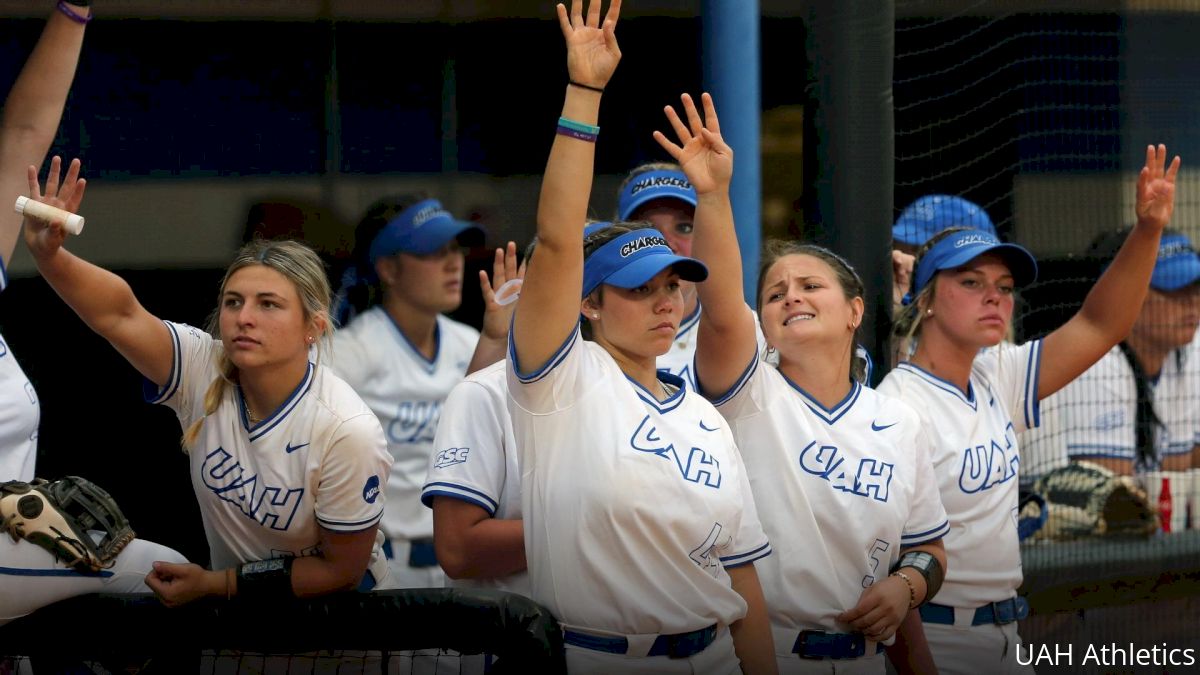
x=818 y=644
x=678 y=646
x=999 y=613
x=421 y=552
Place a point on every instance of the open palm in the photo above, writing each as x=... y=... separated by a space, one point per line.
x=704 y=156
x=1156 y=188
x=592 y=51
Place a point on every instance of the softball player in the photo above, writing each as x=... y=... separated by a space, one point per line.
x=29 y=576
x=402 y=355
x=840 y=474
x=979 y=400
x=474 y=487
x=1135 y=409
x=286 y=461
x=640 y=530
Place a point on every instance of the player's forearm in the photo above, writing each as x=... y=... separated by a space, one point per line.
x=316 y=575
x=715 y=244
x=910 y=653
x=35 y=102
x=490 y=549
x=752 y=641
x=100 y=298
x=1115 y=301
x=567 y=183
x=487 y=351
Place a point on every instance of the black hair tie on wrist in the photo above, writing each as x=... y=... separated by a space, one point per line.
x=598 y=90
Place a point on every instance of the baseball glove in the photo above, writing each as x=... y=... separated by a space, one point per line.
x=58 y=515
x=1084 y=499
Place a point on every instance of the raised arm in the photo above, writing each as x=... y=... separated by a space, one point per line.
x=1112 y=306
x=103 y=300
x=32 y=112
x=548 y=310
x=726 y=341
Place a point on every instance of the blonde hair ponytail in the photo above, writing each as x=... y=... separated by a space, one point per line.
x=226 y=371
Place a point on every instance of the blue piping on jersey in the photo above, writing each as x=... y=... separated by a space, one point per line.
x=4 y=277
x=737 y=386
x=461 y=492
x=281 y=412
x=740 y=559
x=1033 y=371
x=689 y=322
x=944 y=385
x=918 y=538
x=354 y=530
x=25 y=572
x=672 y=402
x=830 y=415
x=554 y=360
x=151 y=391
x=361 y=525
x=430 y=364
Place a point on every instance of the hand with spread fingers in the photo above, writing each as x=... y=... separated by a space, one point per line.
x=592 y=51
x=45 y=238
x=702 y=153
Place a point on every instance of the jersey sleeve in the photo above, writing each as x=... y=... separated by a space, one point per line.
x=747 y=396
x=1013 y=371
x=193 y=369
x=354 y=472
x=560 y=382
x=749 y=541
x=927 y=519
x=468 y=457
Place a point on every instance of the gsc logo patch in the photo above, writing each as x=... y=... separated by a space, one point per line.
x=450 y=457
x=371 y=490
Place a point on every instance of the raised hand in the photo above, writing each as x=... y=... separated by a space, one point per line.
x=44 y=238
x=703 y=154
x=1156 y=188
x=497 y=312
x=592 y=51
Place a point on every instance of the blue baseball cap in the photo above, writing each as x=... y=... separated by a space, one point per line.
x=420 y=229
x=1177 y=265
x=962 y=247
x=633 y=258
x=661 y=184
x=933 y=213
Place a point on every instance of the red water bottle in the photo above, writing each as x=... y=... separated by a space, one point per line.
x=1164 y=505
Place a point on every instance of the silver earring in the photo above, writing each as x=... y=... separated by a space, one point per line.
x=595 y=316
x=929 y=312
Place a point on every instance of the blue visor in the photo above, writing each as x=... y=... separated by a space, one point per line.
x=634 y=258
x=665 y=184
x=1177 y=265
x=594 y=227
x=962 y=247
x=933 y=213
x=420 y=229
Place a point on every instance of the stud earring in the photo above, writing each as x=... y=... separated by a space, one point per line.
x=929 y=312
x=595 y=316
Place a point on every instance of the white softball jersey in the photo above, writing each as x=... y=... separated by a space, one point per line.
x=633 y=507
x=1097 y=413
x=474 y=459
x=977 y=462
x=839 y=491
x=405 y=391
x=265 y=490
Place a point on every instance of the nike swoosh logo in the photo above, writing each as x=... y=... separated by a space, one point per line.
x=706 y=428
x=876 y=427
x=292 y=448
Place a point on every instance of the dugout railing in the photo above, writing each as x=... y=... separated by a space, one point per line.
x=349 y=632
